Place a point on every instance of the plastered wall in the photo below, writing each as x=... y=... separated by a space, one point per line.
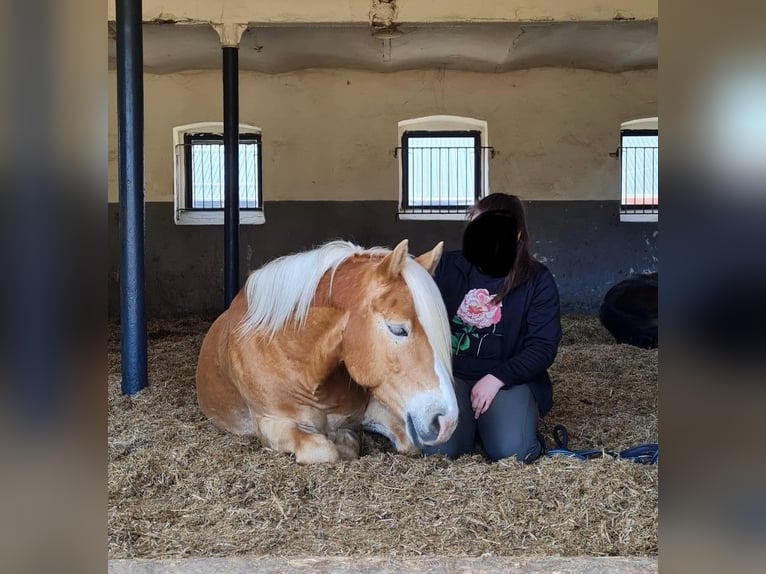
x=328 y=134
x=294 y=11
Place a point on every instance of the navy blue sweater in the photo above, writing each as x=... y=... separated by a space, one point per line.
x=516 y=341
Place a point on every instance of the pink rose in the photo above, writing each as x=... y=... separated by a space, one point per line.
x=477 y=310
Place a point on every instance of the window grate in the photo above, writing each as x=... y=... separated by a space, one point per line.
x=442 y=172
x=204 y=172
x=639 y=154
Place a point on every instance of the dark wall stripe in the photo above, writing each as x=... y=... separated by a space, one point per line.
x=583 y=243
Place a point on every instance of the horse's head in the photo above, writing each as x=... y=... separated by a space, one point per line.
x=397 y=342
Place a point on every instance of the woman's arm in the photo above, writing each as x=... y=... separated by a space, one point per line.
x=542 y=338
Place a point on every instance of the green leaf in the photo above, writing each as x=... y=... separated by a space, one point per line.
x=464 y=344
x=457 y=320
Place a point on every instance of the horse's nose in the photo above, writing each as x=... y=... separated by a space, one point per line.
x=440 y=429
x=429 y=428
x=436 y=424
x=446 y=427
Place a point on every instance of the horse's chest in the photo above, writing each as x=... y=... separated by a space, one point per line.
x=339 y=394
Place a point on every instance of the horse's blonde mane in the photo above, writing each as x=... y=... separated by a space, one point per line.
x=282 y=290
x=431 y=312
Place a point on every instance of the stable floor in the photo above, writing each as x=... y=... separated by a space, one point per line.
x=180 y=487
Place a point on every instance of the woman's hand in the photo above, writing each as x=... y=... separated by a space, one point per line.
x=483 y=393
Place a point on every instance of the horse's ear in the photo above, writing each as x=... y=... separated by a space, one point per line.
x=430 y=259
x=393 y=263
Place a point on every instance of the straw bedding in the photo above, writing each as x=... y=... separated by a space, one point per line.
x=179 y=487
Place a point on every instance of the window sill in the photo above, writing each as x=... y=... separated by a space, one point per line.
x=639 y=217
x=457 y=216
x=216 y=218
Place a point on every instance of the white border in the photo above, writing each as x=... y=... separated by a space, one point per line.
x=443 y=123
x=641 y=124
x=639 y=217
x=457 y=216
x=181 y=217
x=638 y=124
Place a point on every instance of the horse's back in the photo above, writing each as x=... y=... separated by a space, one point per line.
x=218 y=397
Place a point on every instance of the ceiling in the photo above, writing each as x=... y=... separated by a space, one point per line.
x=483 y=47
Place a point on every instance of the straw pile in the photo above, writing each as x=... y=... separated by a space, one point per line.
x=178 y=486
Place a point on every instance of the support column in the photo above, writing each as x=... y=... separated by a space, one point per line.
x=231 y=173
x=230 y=36
x=130 y=126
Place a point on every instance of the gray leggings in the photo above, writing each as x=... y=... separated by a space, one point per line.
x=508 y=428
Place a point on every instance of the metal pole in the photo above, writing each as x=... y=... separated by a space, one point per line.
x=130 y=126
x=231 y=173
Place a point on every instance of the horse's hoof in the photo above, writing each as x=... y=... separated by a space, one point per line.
x=348 y=444
x=347 y=452
x=327 y=454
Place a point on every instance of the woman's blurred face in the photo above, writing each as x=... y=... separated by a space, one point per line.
x=473 y=215
x=489 y=243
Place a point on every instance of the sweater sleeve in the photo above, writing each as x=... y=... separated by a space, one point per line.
x=543 y=334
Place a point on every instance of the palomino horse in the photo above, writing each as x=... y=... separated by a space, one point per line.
x=320 y=343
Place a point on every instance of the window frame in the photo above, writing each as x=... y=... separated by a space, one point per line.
x=642 y=213
x=442 y=126
x=183 y=136
x=423 y=134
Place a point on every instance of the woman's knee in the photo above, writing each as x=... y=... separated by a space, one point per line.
x=513 y=447
x=509 y=428
x=463 y=439
x=451 y=450
x=460 y=443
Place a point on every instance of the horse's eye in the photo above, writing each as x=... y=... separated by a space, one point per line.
x=397 y=330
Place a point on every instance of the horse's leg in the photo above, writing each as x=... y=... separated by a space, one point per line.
x=348 y=443
x=291 y=383
x=346 y=439
x=286 y=435
x=346 y=402
x=379 y=419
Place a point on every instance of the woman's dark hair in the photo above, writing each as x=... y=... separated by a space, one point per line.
x=510 y=207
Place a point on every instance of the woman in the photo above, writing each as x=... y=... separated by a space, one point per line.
x=504 y=312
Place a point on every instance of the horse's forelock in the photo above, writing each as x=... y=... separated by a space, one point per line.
x=430 y=309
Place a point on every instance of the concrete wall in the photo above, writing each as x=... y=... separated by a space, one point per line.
x=328 y=171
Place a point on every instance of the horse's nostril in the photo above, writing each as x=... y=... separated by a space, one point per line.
x=436 y=423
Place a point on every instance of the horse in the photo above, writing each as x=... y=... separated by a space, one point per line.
x=629 y=311
x=322 y=343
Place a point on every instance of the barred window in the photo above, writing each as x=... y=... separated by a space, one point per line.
x=443 y=170
x=199 y=174
x=639 y=170
x=205 y=173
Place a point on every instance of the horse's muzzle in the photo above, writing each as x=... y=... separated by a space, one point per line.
x=438 y=430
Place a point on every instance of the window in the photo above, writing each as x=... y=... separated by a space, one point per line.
x=443 y=166
x=639 y=170
x=199 y=174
